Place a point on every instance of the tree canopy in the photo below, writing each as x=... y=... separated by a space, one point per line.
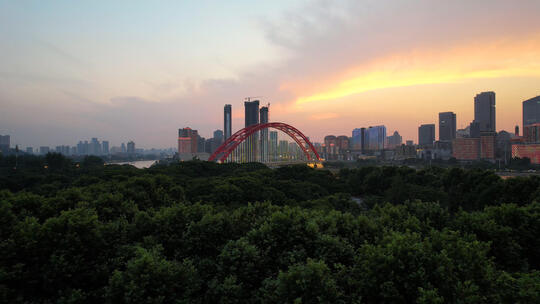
x=201 y=232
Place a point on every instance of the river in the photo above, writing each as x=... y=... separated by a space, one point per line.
x=141 y=164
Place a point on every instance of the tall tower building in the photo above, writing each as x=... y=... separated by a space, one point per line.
x=263 y=113
x=251 y=113
x=227 y=121
x=484 y=111
x=273 y=145
x=447 y=126
x=426 y=135
x=251 y=109
x=531 y=111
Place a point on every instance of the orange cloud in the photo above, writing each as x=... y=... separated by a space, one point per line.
x=503 y=58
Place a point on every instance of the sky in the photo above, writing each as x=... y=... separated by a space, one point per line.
x=139 y=70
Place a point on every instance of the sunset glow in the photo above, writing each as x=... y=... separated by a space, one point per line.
x=431 y=67
x=326 y=67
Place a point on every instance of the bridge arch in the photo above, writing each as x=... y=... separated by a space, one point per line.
x=221 y=154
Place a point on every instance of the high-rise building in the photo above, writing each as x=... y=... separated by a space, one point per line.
x=29 y=150
x=474 y=148
x=4 y=143
x=251 y=144
x=330 y=147
x=43 y=150
x=214 y=142
x=283 y=149
x=487 y=145
x=95 y=147
x=123 y=148
x=201 y=143
x=466 y=148
x=342 y=143
x=503 y=145
x=251 y=113
x=131 y=147
x=227 y=121
x=105 y=147
x=188 y=141
x=375 y=138
x=64 y=150
x=358 y=139
x=447 y=126
x=529 y=146
x=531 y=111
x=263 y=114
x=80 y=148
x=474 y=129
x=273 y=145
x=218 y=136
x=426 y=135
x=394 y=140
x=531 y=133
x=484 y=111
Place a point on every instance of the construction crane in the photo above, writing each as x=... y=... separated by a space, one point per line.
x=268 y=106
x=249 y=98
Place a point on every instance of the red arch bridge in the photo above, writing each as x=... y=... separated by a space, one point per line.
x=251 y=144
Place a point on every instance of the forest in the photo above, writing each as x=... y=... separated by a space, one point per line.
x=201 y=232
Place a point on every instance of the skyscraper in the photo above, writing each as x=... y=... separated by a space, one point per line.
x=201 y=143
x=264 y=134
x=218 y=136
x=273 y=145
x=131 y=147
x=426 y=135
x=105 y=147
x=4 y=143
x=227 y=121
x=283 y=149
x=447 y=126
x=531 y=111
x=357 y=138
x=375 y=138
x=251 y=109
x=95 y=147
x=484 y=111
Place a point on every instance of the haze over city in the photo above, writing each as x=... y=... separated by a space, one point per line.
x=141 y=70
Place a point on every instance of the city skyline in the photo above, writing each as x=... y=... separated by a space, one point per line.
x=325 y=67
